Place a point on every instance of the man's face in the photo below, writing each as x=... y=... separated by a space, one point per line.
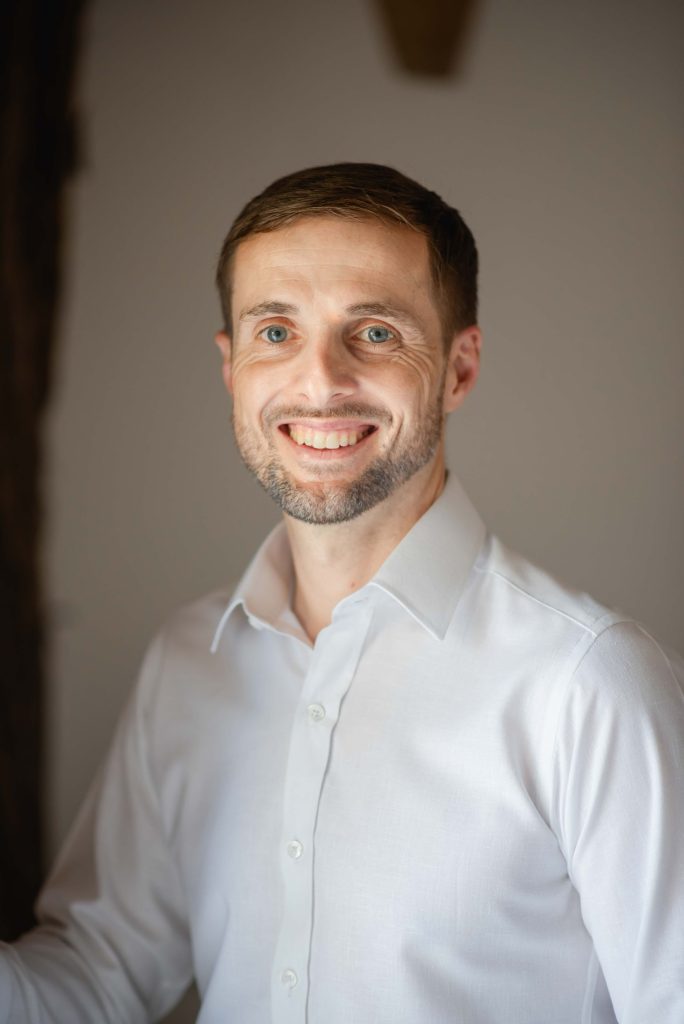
x=337 y=364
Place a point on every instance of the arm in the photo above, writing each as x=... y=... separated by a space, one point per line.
x=112 y=943
x=620 y=806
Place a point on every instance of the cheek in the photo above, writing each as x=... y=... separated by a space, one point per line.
x=258 y=386
x=244 y=361
x=417 y=373
x=254 y=382
x=248 y=396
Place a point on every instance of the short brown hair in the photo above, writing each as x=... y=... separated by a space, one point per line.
x=367 y=190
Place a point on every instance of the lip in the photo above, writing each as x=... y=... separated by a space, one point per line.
x=327 y=425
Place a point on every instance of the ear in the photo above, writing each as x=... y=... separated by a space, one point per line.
x=226 y=348
x=463 y=366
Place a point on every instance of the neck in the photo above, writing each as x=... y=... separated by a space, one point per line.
x=332 y=561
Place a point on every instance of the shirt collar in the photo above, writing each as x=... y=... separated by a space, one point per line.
x=265 y=590
x=426 y=573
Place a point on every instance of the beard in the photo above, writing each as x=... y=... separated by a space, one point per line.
x=337 y=502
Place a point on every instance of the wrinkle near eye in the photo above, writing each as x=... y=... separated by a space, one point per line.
x=419 y=363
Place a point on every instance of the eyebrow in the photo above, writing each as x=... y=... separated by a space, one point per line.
x=269 y=308
x=383 y=309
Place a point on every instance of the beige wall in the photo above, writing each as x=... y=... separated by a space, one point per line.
x=562 y=147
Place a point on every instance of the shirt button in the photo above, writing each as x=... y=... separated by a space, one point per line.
x=316 y=712
x=288 y=978
x=294 y=849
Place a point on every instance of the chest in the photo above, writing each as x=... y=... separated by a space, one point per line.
x=387 y=776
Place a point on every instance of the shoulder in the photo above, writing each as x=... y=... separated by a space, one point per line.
x=179 y=653
x=626 y=669
x=586 y=643
x=194 y=624
x=525 y=618
x=526 y=588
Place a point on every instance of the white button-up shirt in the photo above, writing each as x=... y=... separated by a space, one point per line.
x=463 y=805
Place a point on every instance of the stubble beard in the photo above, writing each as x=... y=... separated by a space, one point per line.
x=327 y=503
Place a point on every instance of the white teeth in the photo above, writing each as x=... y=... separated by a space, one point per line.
x=321 y=439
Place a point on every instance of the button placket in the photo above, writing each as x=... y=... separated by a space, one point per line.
x=331 y=671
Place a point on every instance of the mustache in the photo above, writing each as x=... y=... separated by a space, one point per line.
x=350 y=410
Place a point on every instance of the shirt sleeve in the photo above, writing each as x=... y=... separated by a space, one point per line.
x=620 y=805
x=112 y=942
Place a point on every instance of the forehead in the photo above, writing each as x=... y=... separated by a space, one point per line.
x=325 y=255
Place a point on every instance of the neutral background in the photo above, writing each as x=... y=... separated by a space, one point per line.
x=560 y=143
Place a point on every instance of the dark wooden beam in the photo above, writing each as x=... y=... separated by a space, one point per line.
x=38 y=48
x=428 y=37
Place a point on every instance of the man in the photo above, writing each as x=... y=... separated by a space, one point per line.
x=401 y=775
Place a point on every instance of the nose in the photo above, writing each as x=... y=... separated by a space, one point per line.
x=325 y=371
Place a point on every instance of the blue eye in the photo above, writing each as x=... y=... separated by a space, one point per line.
x=378 y=334
x=276 y=333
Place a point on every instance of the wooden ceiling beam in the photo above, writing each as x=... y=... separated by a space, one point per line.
x=428 y=37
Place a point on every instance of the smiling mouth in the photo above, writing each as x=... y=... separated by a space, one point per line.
x=308 y=437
